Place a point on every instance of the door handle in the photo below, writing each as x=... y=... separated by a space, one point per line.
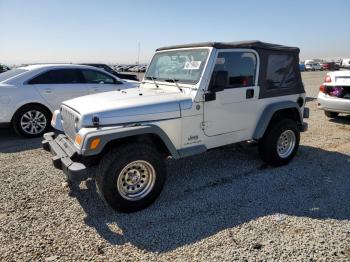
x=249 y=93
x=48 y=90
x=96 y=89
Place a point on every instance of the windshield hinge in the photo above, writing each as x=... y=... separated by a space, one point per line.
x=204 y=125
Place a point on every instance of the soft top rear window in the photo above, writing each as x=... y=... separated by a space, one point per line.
x=12 y=73
x=280 y=71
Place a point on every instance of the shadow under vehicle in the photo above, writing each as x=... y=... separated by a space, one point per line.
x=200 y=202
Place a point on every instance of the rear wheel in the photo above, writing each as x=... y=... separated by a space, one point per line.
x=31 y=121
x=280 y=142
x=131 y=177
x=331 y=114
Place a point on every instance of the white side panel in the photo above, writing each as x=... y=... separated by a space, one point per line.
x=231 y=111
x=13 y=97
x=55 y=94
x=247 y=134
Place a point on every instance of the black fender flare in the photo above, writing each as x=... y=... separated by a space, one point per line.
x=113 y=134
x=268 y=113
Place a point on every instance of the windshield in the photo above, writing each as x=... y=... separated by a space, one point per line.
x=8 y=74
x=183 y=66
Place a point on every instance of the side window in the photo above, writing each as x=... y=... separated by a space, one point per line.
x=280 y=72
x=96 y=77
x=58 y=76
x=234 y=69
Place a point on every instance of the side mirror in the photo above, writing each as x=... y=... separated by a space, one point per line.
x=209 y=96
x=219 y=81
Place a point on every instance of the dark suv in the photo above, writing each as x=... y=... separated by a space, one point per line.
x=330 y=66
x=3 y=68
x=113 y=72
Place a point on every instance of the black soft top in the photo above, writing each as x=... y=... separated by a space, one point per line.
x=273 y=85
x=254 y=44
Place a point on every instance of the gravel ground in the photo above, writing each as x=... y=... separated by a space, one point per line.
x=222 y=205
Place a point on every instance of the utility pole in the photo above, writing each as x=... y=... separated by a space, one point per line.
x=138 y=53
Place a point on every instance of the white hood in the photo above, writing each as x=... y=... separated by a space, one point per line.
x=130 y=105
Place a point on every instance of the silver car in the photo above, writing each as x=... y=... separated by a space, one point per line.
x=334 y=95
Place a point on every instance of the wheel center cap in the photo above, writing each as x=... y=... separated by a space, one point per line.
x=133 y=177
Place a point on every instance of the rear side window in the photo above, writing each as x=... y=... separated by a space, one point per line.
x=238 y=69
x=96 y=77
x=12 y=73
x=280 y=72
x=58 y=76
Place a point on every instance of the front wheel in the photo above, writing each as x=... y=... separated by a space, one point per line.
x=280 y=142
x=131 y=177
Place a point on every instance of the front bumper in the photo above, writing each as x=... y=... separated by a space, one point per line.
x=64 y=155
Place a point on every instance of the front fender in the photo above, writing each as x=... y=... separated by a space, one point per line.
x=112 y=134
x=56 y=121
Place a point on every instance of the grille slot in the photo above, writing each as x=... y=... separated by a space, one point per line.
x=68 y=121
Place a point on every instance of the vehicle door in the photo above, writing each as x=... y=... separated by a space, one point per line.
x=233 y=92
x=97 y=81
x=58 y=85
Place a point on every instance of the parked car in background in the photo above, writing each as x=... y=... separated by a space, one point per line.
x=138 y=68
x=330 y=66
x=143 y=69
x=334 y=95
x=302 y=67
x=313 y=66
x=126 y=68
x=309 y=61
x=117 y=68
x=345 y=63
x=133 y=69
x=29 y=95
x=113 y=72
x=3 y=68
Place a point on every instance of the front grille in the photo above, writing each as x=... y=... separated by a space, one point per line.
x=68 y=121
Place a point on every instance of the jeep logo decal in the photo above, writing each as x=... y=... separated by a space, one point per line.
x=192 y=138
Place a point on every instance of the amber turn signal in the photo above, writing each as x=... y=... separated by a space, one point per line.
x=78 y=139
x=94 y=143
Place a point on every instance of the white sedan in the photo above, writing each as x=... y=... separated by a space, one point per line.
x=29 y=95
x=334 y=95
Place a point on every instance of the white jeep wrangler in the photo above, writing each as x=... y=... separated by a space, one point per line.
x=193 y=98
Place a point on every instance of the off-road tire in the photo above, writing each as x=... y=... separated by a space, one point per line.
x=268 y=144
x=115 y=161
x=16 y=121
x=331 y=114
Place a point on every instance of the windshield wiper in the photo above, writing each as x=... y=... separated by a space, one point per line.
x=153 y=79
x=175 y=82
